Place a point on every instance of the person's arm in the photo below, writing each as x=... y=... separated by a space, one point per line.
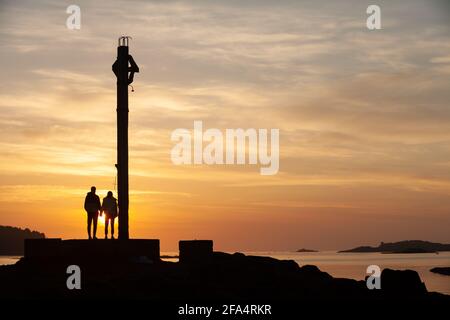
x=85 y=202
x=99 y=206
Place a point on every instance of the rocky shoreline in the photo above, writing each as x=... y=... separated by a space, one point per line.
x=222 y=277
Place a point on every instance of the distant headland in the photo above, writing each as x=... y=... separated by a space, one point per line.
x=441 y=270
x=306 y=250
x=407 y=246
x=12 y=239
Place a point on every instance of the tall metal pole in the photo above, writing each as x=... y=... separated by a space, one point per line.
x=124 y=69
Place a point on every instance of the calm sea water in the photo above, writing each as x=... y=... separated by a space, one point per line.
x=8 y=259
x=354 y=265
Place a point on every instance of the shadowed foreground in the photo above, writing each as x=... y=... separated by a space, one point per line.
x=219 y=277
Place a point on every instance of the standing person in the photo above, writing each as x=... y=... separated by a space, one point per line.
x=92 y=207
x=109 y=207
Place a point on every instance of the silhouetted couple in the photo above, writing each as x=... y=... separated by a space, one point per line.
x=93 y=209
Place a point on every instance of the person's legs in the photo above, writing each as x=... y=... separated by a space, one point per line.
x=95 y=218
x=89 y=222
x=112 y=227
x=106 y=226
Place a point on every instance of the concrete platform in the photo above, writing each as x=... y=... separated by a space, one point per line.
x=92 y=249
x=194 y=251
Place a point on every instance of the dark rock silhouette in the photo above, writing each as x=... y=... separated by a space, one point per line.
x=402 y=282
x=193 y=251
x=168 y=256
x=306 y=250
x=441 y=270
x=407 y=246
x=12 y=239
x=410 y=250
x=221 y=277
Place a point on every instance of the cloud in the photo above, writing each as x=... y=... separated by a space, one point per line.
x=445 y=59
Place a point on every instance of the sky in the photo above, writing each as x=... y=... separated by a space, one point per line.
x=364 y=119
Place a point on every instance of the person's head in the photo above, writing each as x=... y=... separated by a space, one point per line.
x=93 y=189
x=110 y=194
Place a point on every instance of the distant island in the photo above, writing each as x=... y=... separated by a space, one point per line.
x=12 y=239
x=441 y=270
x=306 y=250
x=407 y=246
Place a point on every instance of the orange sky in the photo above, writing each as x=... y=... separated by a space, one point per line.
x=364 y=119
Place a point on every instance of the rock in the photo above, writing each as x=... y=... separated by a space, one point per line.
x=306 y=250
x=402 y=282
x=12 y=239
x=441 y=270
x=223 y=277
x=407 y=246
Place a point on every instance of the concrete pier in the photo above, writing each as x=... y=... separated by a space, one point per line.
x=92 y=249
x=192 y=251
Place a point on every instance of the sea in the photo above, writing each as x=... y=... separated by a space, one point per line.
x=352 y=265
